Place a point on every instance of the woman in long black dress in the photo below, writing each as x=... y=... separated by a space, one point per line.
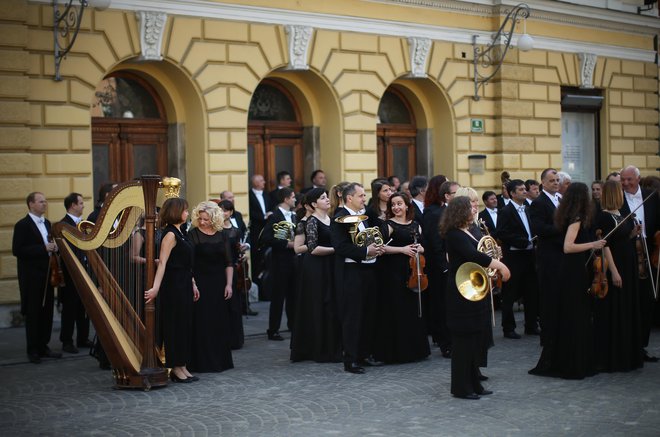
x=468 y=321
x=213 y=272
x=316 y=333
x=617 y=323
x=403 y=331
x=236 y=252
x=175 y=280
x=574 y=357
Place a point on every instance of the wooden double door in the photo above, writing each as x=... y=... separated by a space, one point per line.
x=275 y=146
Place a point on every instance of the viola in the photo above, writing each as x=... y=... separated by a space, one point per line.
x=599 y=284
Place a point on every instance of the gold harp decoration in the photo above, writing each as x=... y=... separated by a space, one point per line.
x=125 y=328
x=172 y=187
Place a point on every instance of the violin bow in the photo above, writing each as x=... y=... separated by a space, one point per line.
x=632 y=213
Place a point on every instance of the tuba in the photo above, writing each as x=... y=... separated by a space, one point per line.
x=284 y=230
x=362 y=238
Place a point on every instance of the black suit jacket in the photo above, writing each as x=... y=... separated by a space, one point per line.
x=344 y=247
x=550 y=242
x=434 y=244
x=419 y=215
x=257 y=220
x=280 y=249
x=79 y=254
x=490 y=224
x=651 y=219
x=241 y=224
x=31 y=260
x=511 y=229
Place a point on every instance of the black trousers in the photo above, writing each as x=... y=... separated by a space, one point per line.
x=38 y=318
x=73 y=314
x=282 y=292
x=357 y=311
x=523 y=284
x=466 y=354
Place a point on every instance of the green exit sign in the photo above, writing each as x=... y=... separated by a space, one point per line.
x=476 y=125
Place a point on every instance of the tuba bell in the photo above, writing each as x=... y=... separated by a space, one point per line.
x=284 y=230
x=472 y=281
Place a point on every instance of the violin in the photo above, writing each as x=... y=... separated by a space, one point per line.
x=243 y=281
x=599 y=285
x=641 y=254
x=56 y=275
x=418 y=281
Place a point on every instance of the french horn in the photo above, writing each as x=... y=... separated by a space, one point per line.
x=472 y=281
x=284 y=230
x=363 y=238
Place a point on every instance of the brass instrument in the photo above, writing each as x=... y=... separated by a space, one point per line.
x=363 y=238
x=284 y=230
x=472 y=281
x=489 y=246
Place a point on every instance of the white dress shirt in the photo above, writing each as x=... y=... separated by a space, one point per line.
x=523 y=216
x=419 y=204
x=41 y=225
x=361 y=227
x=554 y=197
x=493 y=215
x=634 y=200
x=259 y=194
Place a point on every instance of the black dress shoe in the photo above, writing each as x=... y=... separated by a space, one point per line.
x=535 y=331
x=193 y=378
x=353 y=368
x=275 y=336
x=50 y=354
x=513 y=335
x=485 y=393
x=650 y=358
x=446 y=353
x=70 y=348
x=34 y=358
x=372 y=362
x=471 y=396
x=482 y=377
x=85 y=343
x=175 y=378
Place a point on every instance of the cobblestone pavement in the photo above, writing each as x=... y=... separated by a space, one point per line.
x=266 y=395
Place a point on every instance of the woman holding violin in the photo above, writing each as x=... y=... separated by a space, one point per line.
x=402 y=333
x=316 y=331
x=617 y=323
x=574 y=353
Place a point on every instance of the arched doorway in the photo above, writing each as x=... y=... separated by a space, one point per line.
x=275 y=135
x=397 y=136
x=129 y=130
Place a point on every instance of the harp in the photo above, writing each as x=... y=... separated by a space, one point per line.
x=112 y=293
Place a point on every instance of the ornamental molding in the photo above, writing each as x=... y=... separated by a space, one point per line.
x=206 y=9
x=587 y=68
x=298 y=38
x=152 y=25
x=419 y=49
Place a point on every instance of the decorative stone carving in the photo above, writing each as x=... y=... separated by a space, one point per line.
x=419 y=53
x=587 y=67
x=152 y=25
x=298 y=38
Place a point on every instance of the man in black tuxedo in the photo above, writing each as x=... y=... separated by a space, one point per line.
x=73 y=311
x=490 y=213
x=318 y=181
x=355 y=282
x=549 y=250
x=32 y=250
x=533 y=190
x=284 y=282
x=237 y=221
x=260 y=210
x=647 y=216
x=514 y=231
x=283 y=181
x=417 y=187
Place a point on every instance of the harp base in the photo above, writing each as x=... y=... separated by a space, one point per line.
x=145 y=380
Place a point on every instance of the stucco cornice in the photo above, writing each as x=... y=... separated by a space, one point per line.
x=344 y=23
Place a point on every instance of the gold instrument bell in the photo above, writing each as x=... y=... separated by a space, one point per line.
x=472 y=281
x=284 y=230
x=363 y=238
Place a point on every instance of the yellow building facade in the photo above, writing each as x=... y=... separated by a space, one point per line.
x=336 y=59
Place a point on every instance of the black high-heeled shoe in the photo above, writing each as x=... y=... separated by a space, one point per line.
x=175 y=378
x=193 y=378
